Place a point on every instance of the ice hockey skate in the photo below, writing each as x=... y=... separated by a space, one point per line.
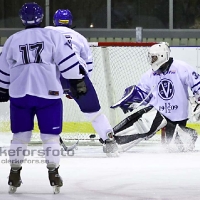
x=14 y=180
x=110 y=146
x=55 y=180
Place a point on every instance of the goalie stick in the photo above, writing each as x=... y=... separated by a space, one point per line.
x=70 y=149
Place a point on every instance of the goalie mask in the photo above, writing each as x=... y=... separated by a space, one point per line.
x=158 y=55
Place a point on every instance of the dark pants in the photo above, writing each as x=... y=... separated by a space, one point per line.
x=170 y=128
x=48 y=112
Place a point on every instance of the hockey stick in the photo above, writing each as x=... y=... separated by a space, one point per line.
x=70 y=148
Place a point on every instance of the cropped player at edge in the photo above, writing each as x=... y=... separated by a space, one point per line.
x=88 y=103
x=163 y=93
x=30 y=67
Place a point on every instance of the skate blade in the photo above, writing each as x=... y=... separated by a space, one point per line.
x=112 y=155
x=12 y=189
x=56 y=189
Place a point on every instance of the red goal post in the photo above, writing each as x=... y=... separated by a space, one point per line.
x=122 y=44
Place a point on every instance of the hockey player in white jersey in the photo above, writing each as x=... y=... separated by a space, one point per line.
x=30 y=66
x=164 y=90
x=89 y=103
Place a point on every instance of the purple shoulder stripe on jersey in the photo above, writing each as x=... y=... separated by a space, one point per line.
x=4 y=73
x=65 y=59
x=4 y=82
x=89 y=70
x=195 y=85
x=69 y=67
x=88 y=63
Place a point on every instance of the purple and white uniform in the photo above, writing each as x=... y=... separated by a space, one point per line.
x=31 y=63
x=88 y=103
x=79 y=44
x=82 y=50
x=170 y=90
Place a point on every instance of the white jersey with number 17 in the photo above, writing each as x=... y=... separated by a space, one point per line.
x=32 y=60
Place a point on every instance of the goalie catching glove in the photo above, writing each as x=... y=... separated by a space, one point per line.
x=133 y=97
x=4 y=95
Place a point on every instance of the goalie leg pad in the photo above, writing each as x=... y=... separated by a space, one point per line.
x=183 y=140
x=127 y=146
x=145 y=127
x=188 y=136
x=130 y=120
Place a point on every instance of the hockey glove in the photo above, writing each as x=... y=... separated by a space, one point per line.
x=77 y=87
x=4 y=95
x=129 y=100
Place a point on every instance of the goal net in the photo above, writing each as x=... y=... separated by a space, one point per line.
x=117 y=65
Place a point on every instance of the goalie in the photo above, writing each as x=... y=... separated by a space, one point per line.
x=163 y=90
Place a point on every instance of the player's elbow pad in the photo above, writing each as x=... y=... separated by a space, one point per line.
x=78 y=87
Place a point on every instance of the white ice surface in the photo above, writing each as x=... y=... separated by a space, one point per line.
x=146 y=172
